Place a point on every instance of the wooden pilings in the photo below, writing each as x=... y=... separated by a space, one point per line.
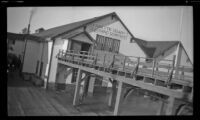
x=91 y=86
x=112 y=96
x=78 y=83
x=116 y=93
x=118 y=98
x=115 y=98
x=160 y=110
x=77 y=95
x=170 y=105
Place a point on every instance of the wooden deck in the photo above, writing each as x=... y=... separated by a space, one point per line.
x=24 y=99
x=122 y=71
x=136 y=73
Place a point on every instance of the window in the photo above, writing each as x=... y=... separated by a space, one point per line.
x=107 y=44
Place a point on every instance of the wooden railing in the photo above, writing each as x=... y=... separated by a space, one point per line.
x=146 y=66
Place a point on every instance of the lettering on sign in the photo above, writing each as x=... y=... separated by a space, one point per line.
x=108 y=31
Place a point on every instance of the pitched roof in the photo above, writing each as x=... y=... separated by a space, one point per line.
x=53 y=32
x=56 y=31
x=155 y=48
x=16 y=36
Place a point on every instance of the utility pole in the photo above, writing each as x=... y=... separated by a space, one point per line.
x=25 y=44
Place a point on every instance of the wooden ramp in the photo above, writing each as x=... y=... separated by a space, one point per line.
x=139 y=72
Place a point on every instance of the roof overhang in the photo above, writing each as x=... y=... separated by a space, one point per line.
x=23 y=37
x=90 y=21
x=83 y=37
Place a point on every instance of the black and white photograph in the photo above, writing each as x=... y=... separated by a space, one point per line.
x=100 y=61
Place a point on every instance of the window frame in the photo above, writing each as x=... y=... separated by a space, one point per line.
x=107 y=44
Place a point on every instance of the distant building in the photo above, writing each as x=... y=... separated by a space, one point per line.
x=39 y=30
x=36 y=52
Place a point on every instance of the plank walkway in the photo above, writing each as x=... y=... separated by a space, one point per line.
x=24 y=99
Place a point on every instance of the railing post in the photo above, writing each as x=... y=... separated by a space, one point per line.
x=104 y=58
x=171 y=73
x=168 y=69
x=124 y=63
x=72 y=54
x=173 y=64
x=157 y=66
x=136 y=68
x=95 y=60
x=113 y=60
x=138 y=61
x=182 y=73
x=154 y=62
x=138 y=65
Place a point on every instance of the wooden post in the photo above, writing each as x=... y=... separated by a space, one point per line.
x=76 y=94
x=112 y=96
x=168 y=69
x=160 y=110
x=104 y=60
x=118 y=98
x=86 y=84
x=170 y=105
x=154 y=62
x=173 y=64
x=136 y=68
x=138 y=61
x=113 y=62
x=95 y=60
x=91 y=86
x=124 y=63
x=157 y=66
x=182 y=73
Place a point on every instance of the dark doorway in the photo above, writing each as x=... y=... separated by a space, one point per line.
x=85 y=47
x=76 y=46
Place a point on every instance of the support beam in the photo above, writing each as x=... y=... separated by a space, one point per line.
x=118 y=99
x=113 y=94
x=154 y=64
x=170 y=105
x=84 y=88
x=91 y=86
x=76 y=94
x=86 y=84
x=160 y=110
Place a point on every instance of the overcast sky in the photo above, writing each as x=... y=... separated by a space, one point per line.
x=148 y=23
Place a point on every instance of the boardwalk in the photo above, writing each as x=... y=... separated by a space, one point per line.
x=24 y=99
x=27 y=100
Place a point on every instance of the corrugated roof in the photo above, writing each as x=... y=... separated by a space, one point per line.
x=16 y=36
x=53 y=32
x=155 y=48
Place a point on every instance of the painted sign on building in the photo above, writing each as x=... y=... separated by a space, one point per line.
x=109 y=31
